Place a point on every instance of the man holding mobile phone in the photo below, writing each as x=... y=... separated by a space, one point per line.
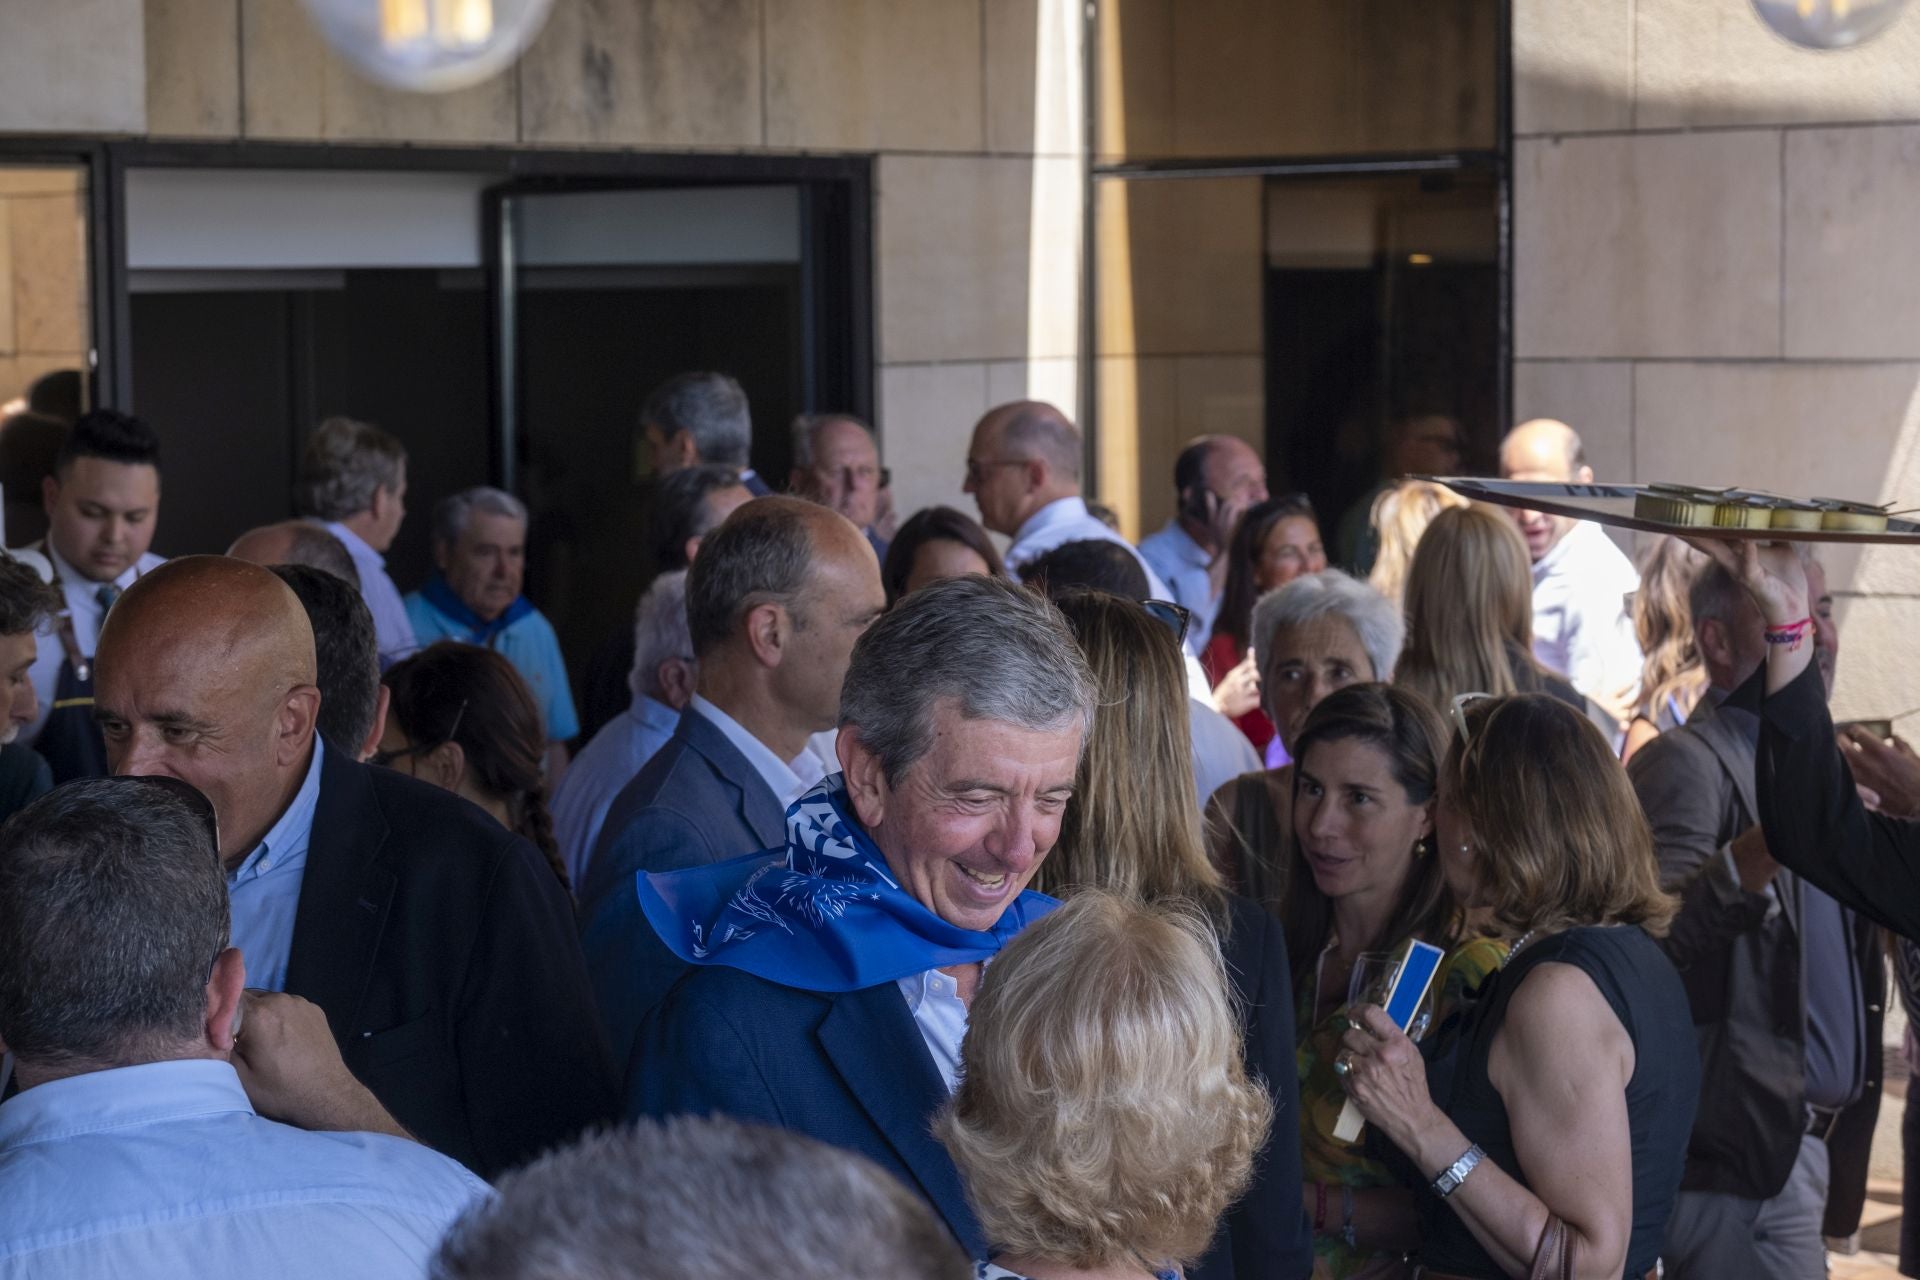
x=1216 y=478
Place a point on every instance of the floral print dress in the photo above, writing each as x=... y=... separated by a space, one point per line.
x=1324 y=1158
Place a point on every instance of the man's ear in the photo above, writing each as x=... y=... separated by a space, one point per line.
x=440 y=550
x=226 y=986
x=299 y=713
x=767 y=629
x=379 y=729
x=1584 y=475
x=865 y=778
x=1038 y=473
x=1711 y=637
x=49 y=493
x=692 y=548
x=675 y=678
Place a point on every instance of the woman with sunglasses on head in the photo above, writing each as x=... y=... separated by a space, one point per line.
x=1363 y=880
x=463 y=719
x=1274 y=543
x=1131 y=828
x=1555 y=1114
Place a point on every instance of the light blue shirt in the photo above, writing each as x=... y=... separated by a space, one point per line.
x=529 y=644
x=1067 y=520
x=392 y=629
x=605 y=765
x=1182 y=565
x=164 y=1171
x=264 y=891
x=933 y=998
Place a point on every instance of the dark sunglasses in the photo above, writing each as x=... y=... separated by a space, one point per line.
x=1177 y=617
x=385 y=759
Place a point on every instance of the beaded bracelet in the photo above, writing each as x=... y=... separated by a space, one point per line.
x=1792 y=635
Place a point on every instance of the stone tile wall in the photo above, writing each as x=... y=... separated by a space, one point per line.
x=1715 y=272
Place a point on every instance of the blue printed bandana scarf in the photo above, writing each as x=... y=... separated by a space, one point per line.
x=823 y=914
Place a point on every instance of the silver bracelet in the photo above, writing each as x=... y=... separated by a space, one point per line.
x=1456 y=1173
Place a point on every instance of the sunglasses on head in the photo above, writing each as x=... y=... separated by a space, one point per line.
x=1457 y=714
x=1177 y=617
x=385 y=759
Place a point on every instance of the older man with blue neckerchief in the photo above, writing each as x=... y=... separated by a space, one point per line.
x=831 y=978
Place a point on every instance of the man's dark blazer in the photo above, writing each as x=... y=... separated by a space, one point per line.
x=442 y=949
x=1740 y=962
x=850 y=1069
x=698 y=801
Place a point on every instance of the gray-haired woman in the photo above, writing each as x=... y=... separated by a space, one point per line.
x=1320 y=632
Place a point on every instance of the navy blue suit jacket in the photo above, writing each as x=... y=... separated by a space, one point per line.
x=850 y=1069
x=697 y=801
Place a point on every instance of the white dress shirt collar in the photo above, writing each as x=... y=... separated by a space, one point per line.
x=779 y=775
x=1061 y=511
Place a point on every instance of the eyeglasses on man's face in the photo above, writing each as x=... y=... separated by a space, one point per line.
x=977 y=468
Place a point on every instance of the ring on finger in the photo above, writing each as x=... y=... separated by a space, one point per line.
x=1344 y=1063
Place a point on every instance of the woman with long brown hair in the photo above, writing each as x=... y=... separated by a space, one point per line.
x=463 y=719
x=1363 y=879
x=1131 y=828
x=1469 y=603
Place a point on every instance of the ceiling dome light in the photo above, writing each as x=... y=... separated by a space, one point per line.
x=429 y=46
x=1829 y=24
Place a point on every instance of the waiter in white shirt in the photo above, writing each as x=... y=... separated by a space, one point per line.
x=1582 y=625
x=1023 y=470
x=102 y=501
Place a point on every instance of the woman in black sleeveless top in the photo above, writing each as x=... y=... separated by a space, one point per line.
x=1568 y=1090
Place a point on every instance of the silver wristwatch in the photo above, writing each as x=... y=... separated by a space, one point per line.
x=1456 y=1173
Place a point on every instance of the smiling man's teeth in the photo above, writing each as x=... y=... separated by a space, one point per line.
x=990 y=882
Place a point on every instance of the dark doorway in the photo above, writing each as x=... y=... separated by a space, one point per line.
x=1382 y=303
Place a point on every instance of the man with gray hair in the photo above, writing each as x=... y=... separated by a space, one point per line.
x=832 y=972
x=304 y=542
x=836 y=463
x=1023 y=469
x=480 y=554
x=662 y=683
x=695 y=418
x=1779 y=1151
x=775 y=601
x=121 y=1001
x=699 y=1199
x=353 y=477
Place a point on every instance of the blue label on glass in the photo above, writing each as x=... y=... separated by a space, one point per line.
x=1411 y=983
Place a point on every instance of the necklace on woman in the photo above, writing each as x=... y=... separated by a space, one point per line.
x=1518 y=943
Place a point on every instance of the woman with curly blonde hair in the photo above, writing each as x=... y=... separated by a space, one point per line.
x=1104 y=1120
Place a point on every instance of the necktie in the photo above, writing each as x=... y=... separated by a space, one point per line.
x=106 y=595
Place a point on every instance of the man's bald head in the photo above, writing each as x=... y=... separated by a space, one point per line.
x=1035 y=429
x=1544 y=449
x=296 y=542
x=205 y=672
x=1024 y=456
x=235 y=612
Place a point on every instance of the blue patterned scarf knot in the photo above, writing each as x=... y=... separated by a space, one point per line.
x=823 y=914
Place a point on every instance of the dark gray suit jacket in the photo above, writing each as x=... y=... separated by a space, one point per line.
x=1740 y=960
x=697 y=801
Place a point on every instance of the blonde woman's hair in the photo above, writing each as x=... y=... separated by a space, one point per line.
x=1469 y=602
x=1557 y=830
x=1133 y=824
x=1400 y=516
x=1663 y=624
x=1103 y=1112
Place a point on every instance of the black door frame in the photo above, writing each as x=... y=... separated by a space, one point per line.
x=837 y=229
